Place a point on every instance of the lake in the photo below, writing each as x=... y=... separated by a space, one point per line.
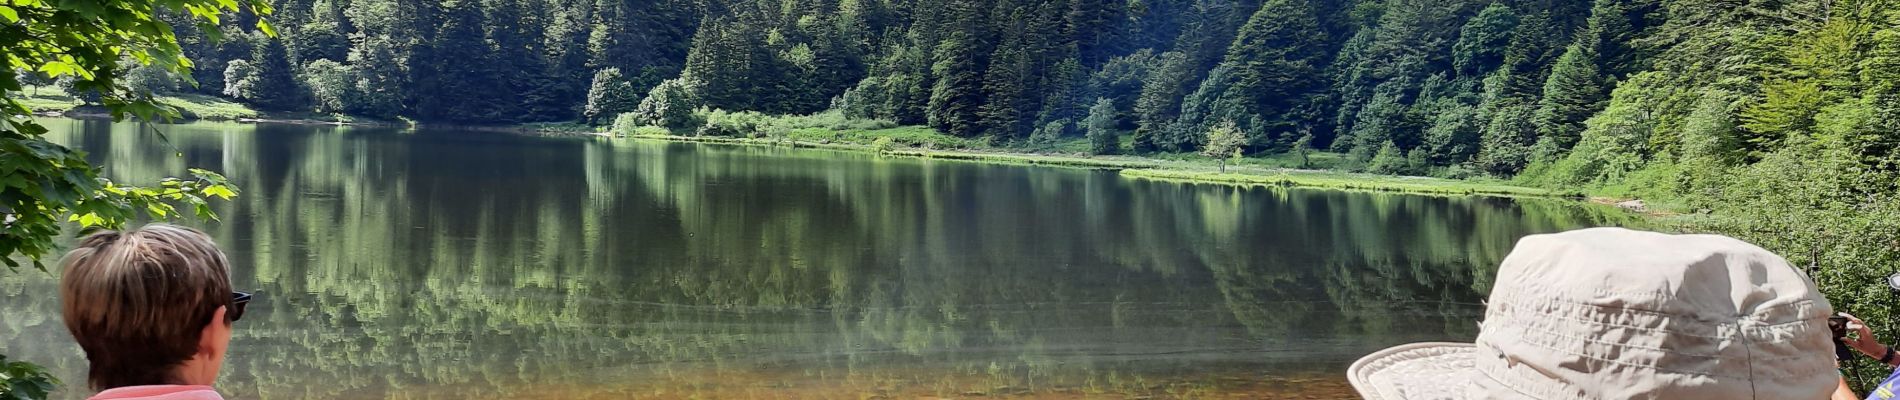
x=398 y=263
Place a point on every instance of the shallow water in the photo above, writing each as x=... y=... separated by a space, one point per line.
x=443 y=264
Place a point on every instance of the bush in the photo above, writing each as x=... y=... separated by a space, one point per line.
x=884 y=145
x=1051 y=132
x=649 y=130
x=672 y=104
x=1387 y=161
x=625 y=124
x=731 y=124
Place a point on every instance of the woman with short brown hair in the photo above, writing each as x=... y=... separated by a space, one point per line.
x=152 y=308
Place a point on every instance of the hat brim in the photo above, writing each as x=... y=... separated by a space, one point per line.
x=1414 y=371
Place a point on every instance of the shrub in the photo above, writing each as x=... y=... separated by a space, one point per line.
x=883 y=145
x=731 y=124
x=649 y=130
x=672 y=104
x=1051 y=132
x=626 y=124
x=1388 y=161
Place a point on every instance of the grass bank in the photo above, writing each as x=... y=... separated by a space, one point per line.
x=1348 y=181
x=191 y=106
x=832 y=131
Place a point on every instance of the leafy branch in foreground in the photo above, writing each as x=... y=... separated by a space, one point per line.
x=20 y=380
x=89 y=43
x=85 y=42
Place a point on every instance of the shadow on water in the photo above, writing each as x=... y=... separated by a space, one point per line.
x=450 y=264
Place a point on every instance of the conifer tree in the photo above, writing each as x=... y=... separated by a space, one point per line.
x=461 y=82
x=275 y=87
x=1575 y=91
x=1277 y=59
x=957 y=97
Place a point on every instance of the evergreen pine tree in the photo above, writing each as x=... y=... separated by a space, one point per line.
x=276 y=85
x=1160 y=101
x=461 y=85
x=1482 y=43
x=1007 y=82
x=957 y=97
x=1277 y=59
x=1574 y=92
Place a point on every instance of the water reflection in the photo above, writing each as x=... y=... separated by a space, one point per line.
x=399 y=264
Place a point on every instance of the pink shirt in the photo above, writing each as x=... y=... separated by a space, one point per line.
x=159 y=392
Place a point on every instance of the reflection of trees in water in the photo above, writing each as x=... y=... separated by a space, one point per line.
x=478 y=263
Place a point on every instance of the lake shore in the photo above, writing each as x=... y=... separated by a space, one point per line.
x=1180 y=171
x=1198 y=170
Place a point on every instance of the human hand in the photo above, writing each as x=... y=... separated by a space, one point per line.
x=1862 y=339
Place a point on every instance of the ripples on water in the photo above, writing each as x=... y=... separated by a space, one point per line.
x=453 y=264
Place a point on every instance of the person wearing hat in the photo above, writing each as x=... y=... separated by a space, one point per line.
x=1611 y=313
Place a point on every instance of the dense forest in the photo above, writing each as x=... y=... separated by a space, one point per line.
x=1575 y=91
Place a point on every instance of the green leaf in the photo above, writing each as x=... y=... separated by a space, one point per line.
x=89 y=219
x=8 y=14
x=221 y=191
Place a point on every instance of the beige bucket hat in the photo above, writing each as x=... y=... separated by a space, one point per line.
x=1611 y=313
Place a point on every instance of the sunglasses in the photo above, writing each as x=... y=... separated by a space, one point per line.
x=238 y=300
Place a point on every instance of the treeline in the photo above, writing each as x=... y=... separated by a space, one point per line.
x=1573 y=91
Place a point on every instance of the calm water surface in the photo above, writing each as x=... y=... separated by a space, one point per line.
x=445 y=264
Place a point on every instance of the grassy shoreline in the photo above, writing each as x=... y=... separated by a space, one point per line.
x=1180 y=171
x=1350 y=182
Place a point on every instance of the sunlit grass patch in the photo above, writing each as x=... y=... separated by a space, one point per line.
x=198 y=106
x=1347 y=181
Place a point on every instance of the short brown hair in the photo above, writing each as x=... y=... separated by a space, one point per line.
x=137 y=301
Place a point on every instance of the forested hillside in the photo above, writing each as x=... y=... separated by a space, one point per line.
x=1577 y=92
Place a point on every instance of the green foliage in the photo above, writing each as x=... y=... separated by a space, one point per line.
x=19 y=380
x=957 y=97
x=625 y=124
x=1103 y=128
x=240 y=80
x=1507 y=141
x=147 y=81
x=651 y=131
x=1160 y=100
x=1388 y=161
x=1052 y=132
x=1350 y=181
x=1787 y=108
x=461 y=77
x=610 y=95
x=1300 y=148
x=1277 y=58
x=46 y=184
x=332 y=86
x=1574 y=92
x=1223 y=143
x=1483 y=41
x=272 y=85
x=883 y=145
x=671 y=104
